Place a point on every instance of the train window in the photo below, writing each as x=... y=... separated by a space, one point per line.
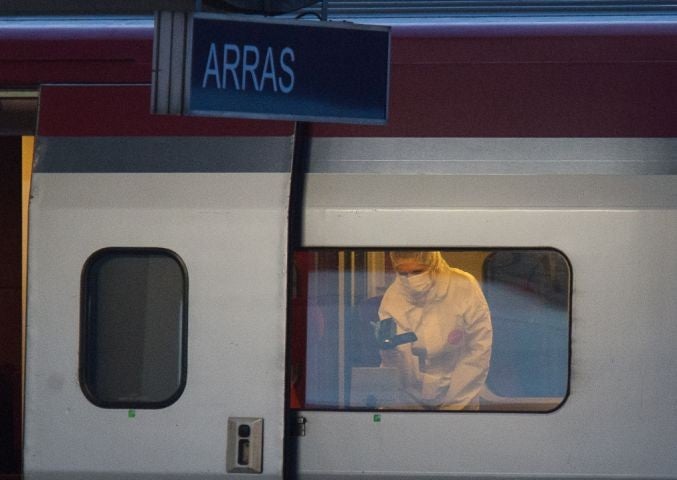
x=483 y=330
x=133 y=334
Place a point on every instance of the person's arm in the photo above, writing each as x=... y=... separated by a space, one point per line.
x=470 y=373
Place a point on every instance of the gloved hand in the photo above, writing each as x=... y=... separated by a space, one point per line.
x=386 y=334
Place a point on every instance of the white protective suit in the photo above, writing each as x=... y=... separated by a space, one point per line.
x=448 y=364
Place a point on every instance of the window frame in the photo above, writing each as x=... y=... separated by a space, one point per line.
x=85 y=293
x=496 y=409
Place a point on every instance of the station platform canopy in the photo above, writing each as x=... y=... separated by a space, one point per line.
x=349 y=9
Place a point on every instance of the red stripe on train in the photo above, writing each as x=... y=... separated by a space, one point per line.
x=89 y=111
x=477 y=83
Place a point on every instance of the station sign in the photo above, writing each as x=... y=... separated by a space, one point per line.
x=276 y=69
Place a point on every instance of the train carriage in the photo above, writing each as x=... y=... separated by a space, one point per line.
x=202 y=292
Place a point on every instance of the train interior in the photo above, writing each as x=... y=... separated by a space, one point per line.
x=16 y=152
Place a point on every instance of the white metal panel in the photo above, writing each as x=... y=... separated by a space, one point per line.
x=230 y=230
x=505 y=156
x=618 y=233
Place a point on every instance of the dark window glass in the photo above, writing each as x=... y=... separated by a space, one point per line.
x=133 y=328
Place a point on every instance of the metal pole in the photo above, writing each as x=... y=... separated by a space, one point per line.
x=325 y=10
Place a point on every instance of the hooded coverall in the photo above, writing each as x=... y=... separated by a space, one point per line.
x=447 y=366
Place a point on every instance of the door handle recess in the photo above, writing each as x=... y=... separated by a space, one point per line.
x=244 y=451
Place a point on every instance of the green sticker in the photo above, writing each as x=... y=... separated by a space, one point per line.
x=377 y=417
x=131 y=413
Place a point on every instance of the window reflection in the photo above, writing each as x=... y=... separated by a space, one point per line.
x=529 y=294
x=349 y=303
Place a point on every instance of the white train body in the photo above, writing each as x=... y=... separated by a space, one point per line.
x=217 y=195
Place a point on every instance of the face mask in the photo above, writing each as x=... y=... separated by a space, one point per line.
x=418 y=284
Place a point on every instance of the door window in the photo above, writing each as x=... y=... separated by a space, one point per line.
x=133 y=328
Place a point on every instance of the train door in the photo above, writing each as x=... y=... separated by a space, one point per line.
x=157 y=291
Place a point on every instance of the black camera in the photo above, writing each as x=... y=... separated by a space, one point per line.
x=387 y=337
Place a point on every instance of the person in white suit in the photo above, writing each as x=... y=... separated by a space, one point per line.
x=446 y=367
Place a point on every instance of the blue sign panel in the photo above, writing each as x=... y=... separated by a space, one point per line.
x=295 y=70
